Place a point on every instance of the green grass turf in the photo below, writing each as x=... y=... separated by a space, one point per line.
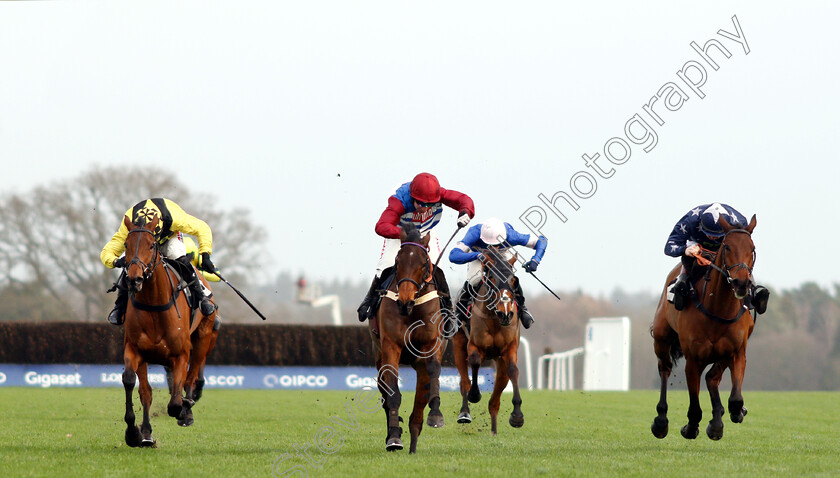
x=79 y=432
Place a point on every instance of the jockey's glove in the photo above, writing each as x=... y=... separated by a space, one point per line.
x=206 y=263
x=119 y=262
x=692 y=250
x=463 y=218
x=531 y=266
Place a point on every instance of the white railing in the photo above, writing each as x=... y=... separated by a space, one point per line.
x=561 y=369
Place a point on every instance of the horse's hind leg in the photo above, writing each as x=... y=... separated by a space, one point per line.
x=459 y=350
x=146 y=400
x=421 y=399
x=737 y=410
x=435 y=419
x=496 y=396
x=662 y=347
x=179 y=373
x=132 y=433
x=715 y=428
x=695 y=413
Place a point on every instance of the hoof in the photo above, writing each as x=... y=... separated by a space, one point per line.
x=690 y=432
x=713 y=432
x=132 y=437
x=659 y=428
x=185 y=422
x=435 y=420
x=464 y=417
x=393 y=444
x=738 y=417
x=474 y=395
x=148 y=443
x=174 y=410
x=516 y=421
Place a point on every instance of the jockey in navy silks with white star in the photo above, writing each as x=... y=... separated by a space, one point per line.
x=501 y=235
x=700 y=229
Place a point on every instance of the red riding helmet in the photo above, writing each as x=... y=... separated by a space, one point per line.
x=425 y=188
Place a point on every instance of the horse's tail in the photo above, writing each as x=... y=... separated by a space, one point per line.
x=674 y=341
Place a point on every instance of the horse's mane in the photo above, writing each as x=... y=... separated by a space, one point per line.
x=412 y=234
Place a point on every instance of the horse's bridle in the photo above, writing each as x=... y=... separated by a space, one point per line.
x=427 y=274
x=486 y=281
x=148 y=269
x=726 y=271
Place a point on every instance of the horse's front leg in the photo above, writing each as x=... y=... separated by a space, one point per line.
x=496 y=396
x=737 y=410
x=435 y=419
x=146 y=400
x=517 y=418
x=715 y=428
x=388 y=381
x=695 y=413
x=132 y=433
x=476 y=357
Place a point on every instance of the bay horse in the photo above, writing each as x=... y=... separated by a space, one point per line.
x=157 y=331
x=410 y=325
x=712 y=329
x=493 y=334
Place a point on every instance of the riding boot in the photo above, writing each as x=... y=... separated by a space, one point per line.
x=443 y=290
x=196 y=290
x=366 y=309
x=462 y=309
x=759 y=298
x=117 y=314
x=524 y=316
x=681 y=289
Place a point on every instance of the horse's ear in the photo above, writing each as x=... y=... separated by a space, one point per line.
x=425 y=240
x=752 y=224
x=725 y=224
x=402 y=235
x=513 y=259
x=127 y=222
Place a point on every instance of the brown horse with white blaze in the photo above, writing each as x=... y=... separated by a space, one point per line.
x=711 y=330
x=494 y=334
x=157 y=331
x=410 y=332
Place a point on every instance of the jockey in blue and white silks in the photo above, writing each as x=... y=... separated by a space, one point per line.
x=502 y=236
x=700 y=229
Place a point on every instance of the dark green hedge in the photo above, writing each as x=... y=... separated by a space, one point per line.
x=55 y=342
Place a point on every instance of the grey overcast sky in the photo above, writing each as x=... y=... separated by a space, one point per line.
x=310 y=114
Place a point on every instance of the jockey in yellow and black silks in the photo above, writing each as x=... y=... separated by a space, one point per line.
x=172 y=221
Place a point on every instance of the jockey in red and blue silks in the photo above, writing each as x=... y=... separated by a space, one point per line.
x=700 y=229
x=419 y=202
x=470 y=250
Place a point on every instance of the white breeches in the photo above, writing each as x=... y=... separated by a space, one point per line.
x=174 y=248
x=392 y=246
x=474 y=267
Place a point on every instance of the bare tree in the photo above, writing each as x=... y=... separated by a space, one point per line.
x=53 y=235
